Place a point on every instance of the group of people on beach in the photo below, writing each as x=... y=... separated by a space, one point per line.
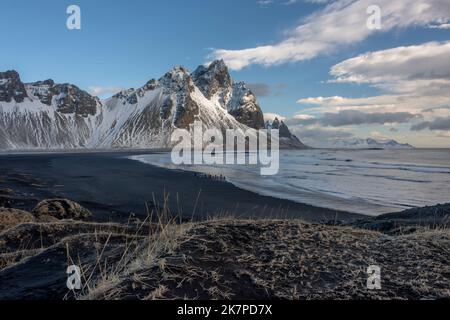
x=210 y=176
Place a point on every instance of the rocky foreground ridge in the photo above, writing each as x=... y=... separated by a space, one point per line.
x=225 y=258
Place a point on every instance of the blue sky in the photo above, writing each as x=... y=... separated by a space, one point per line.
x=125 y=43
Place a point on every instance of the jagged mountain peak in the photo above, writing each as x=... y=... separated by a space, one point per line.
x=153 y=111
x=47 y=115
x=11 y=87
x=177 y=71
x=48 y=82
x=150 y=85
x=287 y=139
x=216 y=84
x=213 y=79
x=244 y=106
x=282 y=127
x=71 y=99
x=177 y=79
x=242 y=90
x=218 y=64
x=275 y=123
x=10 y=74
x=66 y=97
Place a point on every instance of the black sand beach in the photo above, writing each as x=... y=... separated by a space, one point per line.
x=112 y=187
x=246 y=249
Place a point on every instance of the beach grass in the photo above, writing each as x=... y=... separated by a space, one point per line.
x=165 y=256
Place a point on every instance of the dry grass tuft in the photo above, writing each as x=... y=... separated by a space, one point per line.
x=223 y=258
x=281 y=259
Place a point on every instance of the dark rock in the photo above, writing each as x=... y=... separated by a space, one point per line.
x=43 y=90
x=151 y=85
x=11 y=87
x=34 y=256
x=212 y=78
x=433 y=217
x=244 y=107
x=186 y=113
x=60 y=209
x=287 y=139
x=166 y=108
x=132 y=98
x=178 y=83
x=70 y=99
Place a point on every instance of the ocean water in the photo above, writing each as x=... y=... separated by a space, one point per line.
x=370 y=182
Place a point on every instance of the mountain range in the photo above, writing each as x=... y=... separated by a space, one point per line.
x=45 y=115
x=369 y=143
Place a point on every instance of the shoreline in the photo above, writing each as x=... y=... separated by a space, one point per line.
x=113 y=186
x=310 y=254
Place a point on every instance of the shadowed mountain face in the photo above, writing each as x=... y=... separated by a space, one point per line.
x=11 y=88
x=287 y=139
x=216 y=84
x=45 y=115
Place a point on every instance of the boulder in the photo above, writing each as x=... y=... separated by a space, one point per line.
x=61 y=209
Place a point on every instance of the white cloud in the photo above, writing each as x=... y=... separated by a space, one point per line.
x=319 y=1
x=104 y=91
x=340 y=23
x=378 y=135
x=424 y=67
x=316 y=136
x=357 y=117
x=381 y=103
x=440 y=26
x=268 y=116
x=322 y=100
x=265 y=3
x=412 y=79
x=303 y=117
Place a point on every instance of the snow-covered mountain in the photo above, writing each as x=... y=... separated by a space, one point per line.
x=147 y=116
x=287 y=139
x=370 y=143
x=45 y=115
x=216 y=85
